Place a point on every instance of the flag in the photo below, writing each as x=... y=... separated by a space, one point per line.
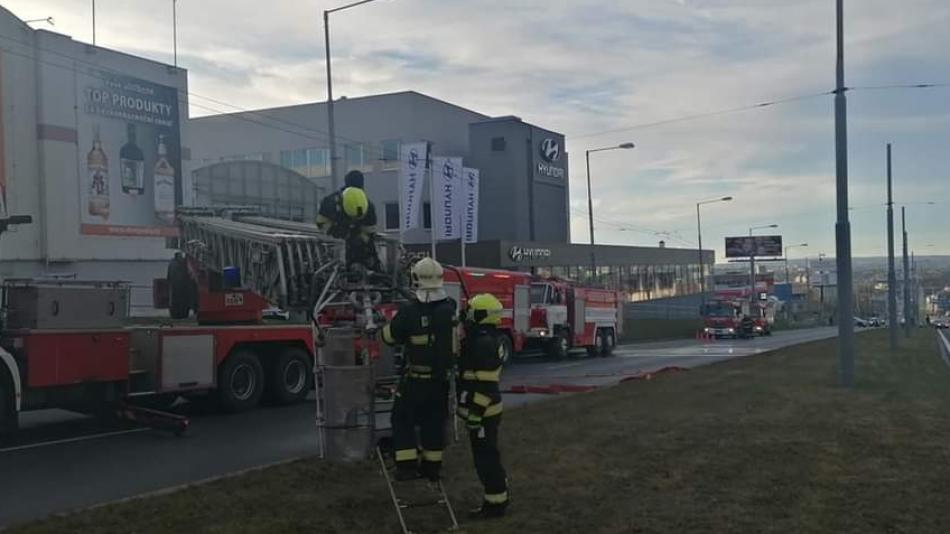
x=447 y=182
x=469 y=195
x=412 y=169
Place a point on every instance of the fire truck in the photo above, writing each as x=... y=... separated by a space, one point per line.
x=69 y=344
x=723 y=316
x=547 y=313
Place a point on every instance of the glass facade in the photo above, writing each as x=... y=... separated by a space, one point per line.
x=637 y=282
x=310 y=162
x=389 y=154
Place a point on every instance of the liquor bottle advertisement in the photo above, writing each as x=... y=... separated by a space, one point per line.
x=130 y=156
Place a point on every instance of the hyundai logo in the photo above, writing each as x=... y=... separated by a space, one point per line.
x=413 y=158
x=519 y=254
x=550 y=150
x=448 y=170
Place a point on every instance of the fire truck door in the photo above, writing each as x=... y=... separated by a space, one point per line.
x=522 y=308
x=187 y=361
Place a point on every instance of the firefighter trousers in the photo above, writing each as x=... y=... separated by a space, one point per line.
x=488 y=461
x=421 y=403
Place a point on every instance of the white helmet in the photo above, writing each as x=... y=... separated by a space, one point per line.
x=427 y=277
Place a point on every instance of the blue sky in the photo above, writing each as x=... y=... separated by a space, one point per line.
x=583 y=67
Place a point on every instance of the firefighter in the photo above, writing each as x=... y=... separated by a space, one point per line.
x=426 y=328
x=479 y=402
x=348 y=214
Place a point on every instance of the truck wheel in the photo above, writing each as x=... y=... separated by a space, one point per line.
x=558 y=347
x=505 y=349
x=8 y=414
x=240 y=382
x=291 y=376
x=607 y=342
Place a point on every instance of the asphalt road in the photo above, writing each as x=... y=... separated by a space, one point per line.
x=63 y=462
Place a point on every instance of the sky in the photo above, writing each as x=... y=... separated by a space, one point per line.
x=605 y=72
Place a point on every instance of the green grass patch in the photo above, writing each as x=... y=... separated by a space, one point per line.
x=762 y=444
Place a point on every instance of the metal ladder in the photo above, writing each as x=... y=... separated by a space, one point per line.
x=439 y=497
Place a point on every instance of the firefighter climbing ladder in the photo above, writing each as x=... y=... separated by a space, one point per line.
x=439 y=497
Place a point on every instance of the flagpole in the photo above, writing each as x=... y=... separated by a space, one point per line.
x=432 y=216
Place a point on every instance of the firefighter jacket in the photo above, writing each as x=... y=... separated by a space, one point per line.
x=427 y=330
x=479 y=374
x=332 y=220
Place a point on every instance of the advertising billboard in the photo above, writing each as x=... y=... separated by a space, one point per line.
x=130 y=156
x=760 y=246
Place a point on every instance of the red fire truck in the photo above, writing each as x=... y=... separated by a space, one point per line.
x=70 y=345
x=723 y=316
x=551 y=314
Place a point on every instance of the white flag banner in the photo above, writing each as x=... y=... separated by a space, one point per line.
x=412 y=172
x=470 y=204
x=447 y=179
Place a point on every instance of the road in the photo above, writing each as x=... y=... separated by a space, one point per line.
x=64 y=462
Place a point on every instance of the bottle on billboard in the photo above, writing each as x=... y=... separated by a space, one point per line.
x=164 y=184
x=132 y=165
x=97 y=165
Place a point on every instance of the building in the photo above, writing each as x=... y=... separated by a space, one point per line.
x=641 y=273
x=91 y=147
x=524 y=191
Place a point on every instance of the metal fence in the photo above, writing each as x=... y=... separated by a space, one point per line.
x=643 y=310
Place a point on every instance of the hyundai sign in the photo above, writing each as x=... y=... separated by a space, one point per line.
x=550 y=151
x=759 y=246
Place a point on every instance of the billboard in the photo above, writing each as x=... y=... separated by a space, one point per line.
x=130 y=156
x=760 y=245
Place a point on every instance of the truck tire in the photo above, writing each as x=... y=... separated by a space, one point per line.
x=557 y=348
x=291 y=376
x=606 y=342
x=8 y=416
x=240 y=381
x=505 y=348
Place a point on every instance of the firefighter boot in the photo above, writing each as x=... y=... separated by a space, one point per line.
x=488 y=511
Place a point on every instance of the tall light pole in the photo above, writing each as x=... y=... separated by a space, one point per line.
x=891 y=268
x=787 y=278
x=331 y=125
x=699 y=235
x=48 y=20
x=906 y=273
x=590 y=201
x=752 y=294
x=175 y=31
x=93 y=22
x=843 y=225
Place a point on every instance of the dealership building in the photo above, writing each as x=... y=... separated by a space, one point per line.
x=91 y=148
x=524 y=220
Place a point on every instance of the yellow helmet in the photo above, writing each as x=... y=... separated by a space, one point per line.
x=427 y=274
x=485 y=308
x=355 y=203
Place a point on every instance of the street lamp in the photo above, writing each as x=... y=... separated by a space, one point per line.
x=787 y=279
x=752 y=262
x=699 y=235
x=330 y=119
x=590 y=201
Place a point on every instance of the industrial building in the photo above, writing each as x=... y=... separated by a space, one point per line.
x=92 y=148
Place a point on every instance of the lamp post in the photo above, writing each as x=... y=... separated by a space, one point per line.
x=175 y=31
x=331 y=126
x=752 y=262
x=787 y=279
x=699 y=236
x=590 y=200
x=48 y=20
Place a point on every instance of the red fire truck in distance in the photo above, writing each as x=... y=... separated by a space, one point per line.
x=551 y=314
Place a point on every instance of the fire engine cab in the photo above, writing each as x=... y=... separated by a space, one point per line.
x=566 y=316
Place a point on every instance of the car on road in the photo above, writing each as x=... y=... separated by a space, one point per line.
x=876 y=321
x=861 y=323
x=940 y=322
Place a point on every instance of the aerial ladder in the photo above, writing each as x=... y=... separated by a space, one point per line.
x=298 y=268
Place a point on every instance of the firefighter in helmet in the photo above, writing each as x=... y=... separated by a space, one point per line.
x=349 y=215
x=479 y=403
x=426 y=328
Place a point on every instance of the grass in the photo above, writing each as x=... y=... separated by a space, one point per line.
x=762 y=444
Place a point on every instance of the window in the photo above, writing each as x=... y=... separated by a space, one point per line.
x=389 y=154
x=498 y=144
x=426 y=215
x=392 y=216
x=355 y=158
x=318 y=160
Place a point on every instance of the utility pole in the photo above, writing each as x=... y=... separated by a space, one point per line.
x=906 y=274
x=843 y=225
x=892 y=325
